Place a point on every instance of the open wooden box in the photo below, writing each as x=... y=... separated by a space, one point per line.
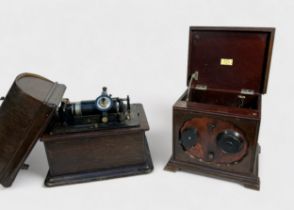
x=216 y=121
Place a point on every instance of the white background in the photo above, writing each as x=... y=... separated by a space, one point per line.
x=140 y=48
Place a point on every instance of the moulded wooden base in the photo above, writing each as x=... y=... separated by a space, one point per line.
x=251 y=182
x=109 y=173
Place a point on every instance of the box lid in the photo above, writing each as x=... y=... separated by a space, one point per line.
x=229 y=58
x=24 y=114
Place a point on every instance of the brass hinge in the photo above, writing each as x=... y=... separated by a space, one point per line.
x=201 y=87
x=247 y=92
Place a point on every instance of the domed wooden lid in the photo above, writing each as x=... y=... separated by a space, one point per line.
x=24 y=114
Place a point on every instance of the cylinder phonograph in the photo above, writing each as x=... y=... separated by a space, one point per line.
x=84 y=141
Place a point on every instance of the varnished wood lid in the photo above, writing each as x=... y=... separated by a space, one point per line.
x=229 y=58
x=24 y=114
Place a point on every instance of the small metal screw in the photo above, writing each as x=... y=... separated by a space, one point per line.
x=211 y=127
x=211 y=156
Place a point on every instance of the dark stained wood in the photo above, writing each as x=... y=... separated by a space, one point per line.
x=244 y=170
x=97 y=155
x=102 y=174
x=222 y=104
x=91 y=153
x=250 y=49
x=24 y=114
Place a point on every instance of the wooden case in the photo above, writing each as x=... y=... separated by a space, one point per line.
x=97 y=155
x=216 y=121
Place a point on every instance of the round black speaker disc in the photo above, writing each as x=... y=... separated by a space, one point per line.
x=188 y=138
x=230 y=141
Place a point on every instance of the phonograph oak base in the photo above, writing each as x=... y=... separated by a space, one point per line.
x=103 y=174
